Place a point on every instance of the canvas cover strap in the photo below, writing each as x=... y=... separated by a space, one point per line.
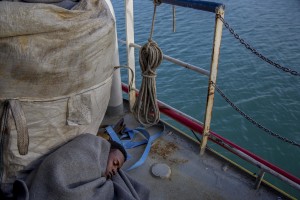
x=14 y=109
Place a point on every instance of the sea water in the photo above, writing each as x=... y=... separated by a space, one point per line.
x=267 y=94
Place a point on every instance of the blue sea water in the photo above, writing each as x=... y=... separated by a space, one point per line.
x=267 y=94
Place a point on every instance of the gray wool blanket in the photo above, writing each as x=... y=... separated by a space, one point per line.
x=75 y=171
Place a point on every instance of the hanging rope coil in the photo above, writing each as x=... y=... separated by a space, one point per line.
x=146 y=109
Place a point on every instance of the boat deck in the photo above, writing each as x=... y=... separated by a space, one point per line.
x=192 y=176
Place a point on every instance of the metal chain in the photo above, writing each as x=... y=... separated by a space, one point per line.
x=252 y=120
x=253 y=50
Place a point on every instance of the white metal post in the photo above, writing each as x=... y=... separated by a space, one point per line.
x=130 y=51
x=212 y=78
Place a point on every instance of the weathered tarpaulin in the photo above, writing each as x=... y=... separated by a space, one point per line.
x=56 y=65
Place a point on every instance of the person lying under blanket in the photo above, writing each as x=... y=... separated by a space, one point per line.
x=87 y=167
x=116 y=158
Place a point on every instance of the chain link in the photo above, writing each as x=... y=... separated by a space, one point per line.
x=253 y=50
x=252 y=120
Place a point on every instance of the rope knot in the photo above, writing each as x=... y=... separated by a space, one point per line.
x=150 y=56
x=149 y=75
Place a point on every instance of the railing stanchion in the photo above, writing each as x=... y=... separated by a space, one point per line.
x=212 y=78
x=259 y=178
x=130 y=51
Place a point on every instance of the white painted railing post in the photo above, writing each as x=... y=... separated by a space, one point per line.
x=130 y=50
x=212 y=78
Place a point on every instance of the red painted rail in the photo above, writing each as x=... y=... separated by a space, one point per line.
x=197 y=127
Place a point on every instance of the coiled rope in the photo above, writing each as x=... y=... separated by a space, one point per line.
x=146 y=110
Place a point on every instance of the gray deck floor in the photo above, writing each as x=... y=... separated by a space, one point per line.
x=193 y=176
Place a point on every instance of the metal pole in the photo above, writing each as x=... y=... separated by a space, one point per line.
x=178 y=62
x=130 y=50
x=115 y=104
x=212 y=78
x=259 y=178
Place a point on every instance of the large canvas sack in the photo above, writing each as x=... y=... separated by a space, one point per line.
x=56 y=68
